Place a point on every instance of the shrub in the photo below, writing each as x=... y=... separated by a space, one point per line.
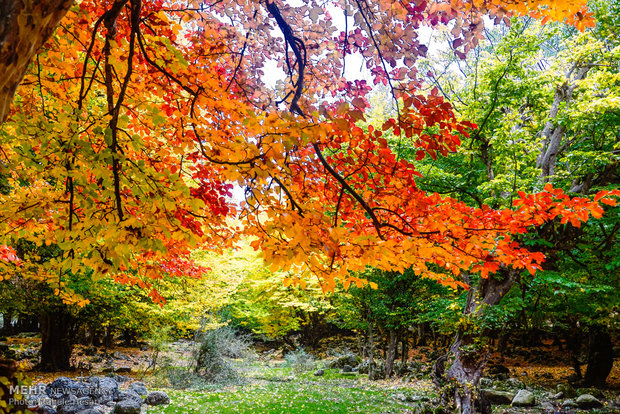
x=299 y=360
x=214 y=350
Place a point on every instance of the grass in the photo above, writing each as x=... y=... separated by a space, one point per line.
x=278 y=389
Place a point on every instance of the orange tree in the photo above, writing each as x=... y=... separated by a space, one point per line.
x=135 y=118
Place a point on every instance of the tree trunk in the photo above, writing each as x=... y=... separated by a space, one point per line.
x=465 y=360
x=57 y=340
x=24 y=27
x=390 y=354
x=600 y=357
x=371 y=351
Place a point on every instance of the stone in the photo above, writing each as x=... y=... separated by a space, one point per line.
x=46 y=409
x=496 y=397
x=130 y=395
x=548 y=408
x=157 y=398
x=139 y=388
x=485 y=382
x=347 y=368
x=62 y=387
x=588 y=401
x=75 y=406
x=514 y=383
x=127 y=407
x=569 y=392
x=524 y=398
x=103 y=389
x=558 y=396
x=569 y=404
x=123 y=370
x=319 y=372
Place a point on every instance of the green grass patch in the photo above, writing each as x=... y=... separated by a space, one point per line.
x=278 y=390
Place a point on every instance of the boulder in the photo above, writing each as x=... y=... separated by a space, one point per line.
x=319 y=372
x=569 y=392
x=103 y=389
x=62 y=387
x=127 y=407
x=347 y=368
x=514 y=383
x=496 y=397
x=139 y=388
x=558 y=396
x=548 y=408
x=588 y=401
x=524 y=398
x=157 y=398
x=341 y=361
x=130 y=395
x=75 y=406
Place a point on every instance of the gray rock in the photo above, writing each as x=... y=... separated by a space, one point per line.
x=319 y=372
x=130 y=395
x=514 y=383
x=569 y=404
x=524 y=398
x=496 y=397
x=347 y=359
x=347 y=368
x=485 y=382
x=558 y=396
x=127 y=407
x=588 y=401
x=569 y=392
x=157 y=398
x=94 y=410
x=103 y=389
x=75 y=406
x=139 y=388
x=548 y=408
x=46 y=409
x=63 y=387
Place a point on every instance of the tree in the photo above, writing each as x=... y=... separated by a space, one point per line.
x=141 y=114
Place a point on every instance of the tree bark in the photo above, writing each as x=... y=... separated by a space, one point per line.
x=465 y=361
x=24 y=27
x=390 y=354
x=600 y=357
x=57 y=340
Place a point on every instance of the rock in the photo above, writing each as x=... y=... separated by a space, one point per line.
x=588 y=401
x=558 y=396
x=496 y=397
x=95 y=410
x=103 y=389
x=122 y=370
x=514 y=383
x=485 y=382
x=127 y=407
x=347 y=368
x=400 y=397
x=62 y=387
x=120 y=379
x=319 y=372
x=548 y=408
x=157 y=398
x=139 y=388
x=569 y=392
x=46 y=409
x=75 y=406
x=524 y=398
x=341 y=361
x=569 y=404
x=130 y=395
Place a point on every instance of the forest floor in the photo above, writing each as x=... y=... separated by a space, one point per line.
x=270 y=384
